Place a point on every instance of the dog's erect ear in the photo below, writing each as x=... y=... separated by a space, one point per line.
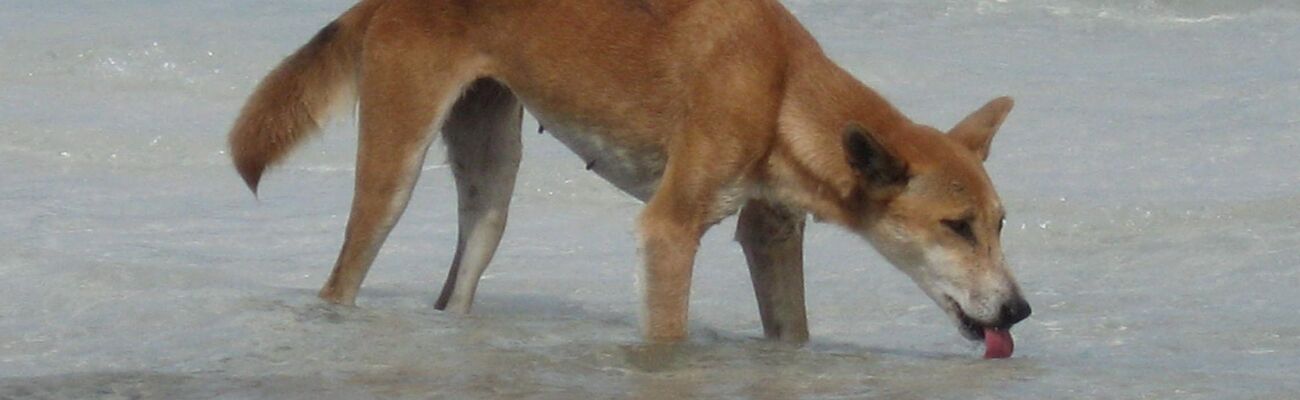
x=871 y=160
x=977 y=130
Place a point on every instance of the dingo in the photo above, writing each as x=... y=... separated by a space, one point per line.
x=700 y=108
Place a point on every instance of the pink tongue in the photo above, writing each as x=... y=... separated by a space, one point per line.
x=998 y=343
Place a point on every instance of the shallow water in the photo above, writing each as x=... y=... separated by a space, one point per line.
x=1149 y=172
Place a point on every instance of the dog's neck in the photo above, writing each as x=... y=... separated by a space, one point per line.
x=807 y=167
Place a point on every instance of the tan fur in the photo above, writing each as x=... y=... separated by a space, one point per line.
x=294 y=99
x=708 y=105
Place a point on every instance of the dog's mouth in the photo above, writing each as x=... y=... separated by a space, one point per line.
x=969 y=327
x=999 y=345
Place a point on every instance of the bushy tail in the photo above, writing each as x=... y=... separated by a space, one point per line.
x=294 y=100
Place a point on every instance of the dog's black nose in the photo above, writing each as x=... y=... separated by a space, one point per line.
x=1015 y=310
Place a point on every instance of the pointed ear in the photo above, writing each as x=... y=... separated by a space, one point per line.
x=977 y=130
x=871 y=160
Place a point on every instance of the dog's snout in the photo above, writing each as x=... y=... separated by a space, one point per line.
x=1014 y=311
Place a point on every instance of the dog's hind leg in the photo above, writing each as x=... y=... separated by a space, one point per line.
x=410 y=78
x=772 y=238
x=483 y=147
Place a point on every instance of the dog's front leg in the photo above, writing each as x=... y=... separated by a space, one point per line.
x=679 y=213
x=668 y=246
x=772 y=237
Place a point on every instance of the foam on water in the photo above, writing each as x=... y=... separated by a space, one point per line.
x=1149 y=171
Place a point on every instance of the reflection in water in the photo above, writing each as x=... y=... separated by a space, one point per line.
x=764 y=370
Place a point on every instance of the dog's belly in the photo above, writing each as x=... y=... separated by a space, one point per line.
x=634 y=169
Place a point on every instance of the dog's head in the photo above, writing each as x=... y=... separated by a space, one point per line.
x=929 y=207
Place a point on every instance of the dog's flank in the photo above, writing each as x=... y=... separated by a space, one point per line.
x=700 y=108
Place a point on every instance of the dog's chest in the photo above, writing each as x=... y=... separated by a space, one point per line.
x=632 y=168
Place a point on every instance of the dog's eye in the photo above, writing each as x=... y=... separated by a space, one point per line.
x=961 y=227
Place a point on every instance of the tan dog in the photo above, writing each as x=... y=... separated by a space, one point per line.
x=698 y=107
